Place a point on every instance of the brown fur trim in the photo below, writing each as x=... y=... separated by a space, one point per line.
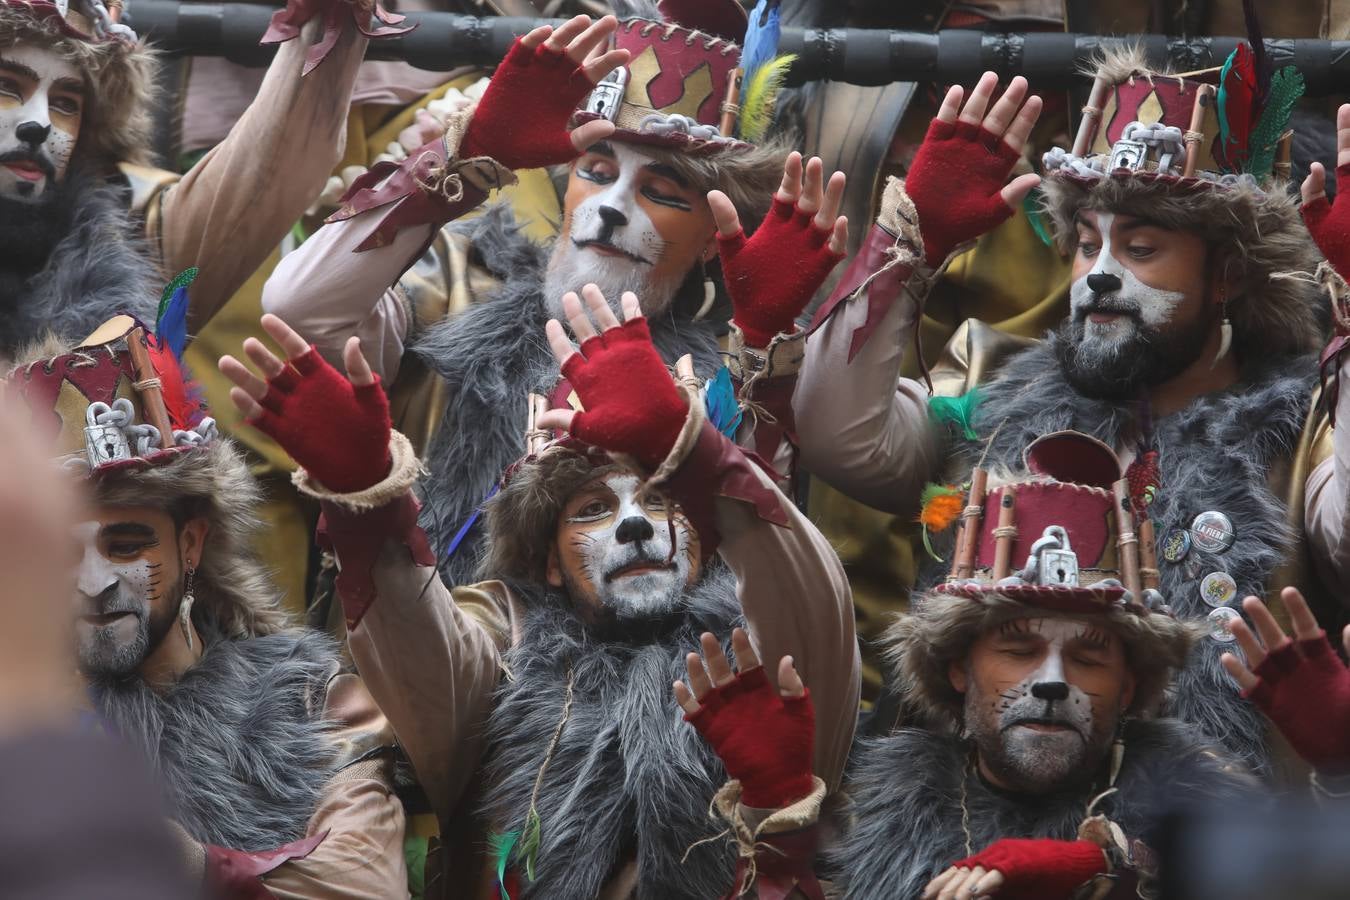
x=921 y=646
x=120 y=81
x=233 y=589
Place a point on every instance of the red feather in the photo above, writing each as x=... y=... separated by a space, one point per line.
x=182 y=396
x=1237 y=95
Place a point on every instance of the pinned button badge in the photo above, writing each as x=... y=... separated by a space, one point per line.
x=1218 y=589
x=1218 y=624
x=1176 y=544
x=1212 y=531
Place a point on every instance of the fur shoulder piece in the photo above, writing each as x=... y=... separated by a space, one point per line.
x=238 y=743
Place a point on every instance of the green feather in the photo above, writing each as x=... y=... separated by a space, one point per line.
x=1031 y=205
x=929 y=547
x=500 y=845
x=760 y=96
x=1221 y=100
x=958 y=411
x=1285 y=88
x=529 y=841
x=183 y=279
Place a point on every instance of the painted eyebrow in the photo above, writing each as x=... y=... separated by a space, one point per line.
x=603 y=148
x=665 y=171
x=127 y=530
x=9 y=65
x=72 y=85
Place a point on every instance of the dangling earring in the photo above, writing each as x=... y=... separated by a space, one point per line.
x=1225 y=334
x=185 y=607
x=709 y=293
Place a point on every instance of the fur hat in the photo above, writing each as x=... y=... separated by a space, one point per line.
x=1129 y=158
x=119 y=78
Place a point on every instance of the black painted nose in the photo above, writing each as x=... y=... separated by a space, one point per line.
x=1050 y=691
x=612 y=217
x=33 y=133
x=1103 y=283
x=634 y=529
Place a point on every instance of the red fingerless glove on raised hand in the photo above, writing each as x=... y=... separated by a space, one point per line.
x=765 y=740
x=1329 y=225
x=1305 y=690
x=630 y=404
x=955 y=182
x=1041 y=869
x=521 y=122
x=339 y=433
x=773 y=275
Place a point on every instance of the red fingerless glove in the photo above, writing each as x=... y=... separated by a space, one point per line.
x=1329 y=225
x=521 y=122
x=955 y=183
x=630 y=404
x=773 y=275
x=765 y=740
x=1305 y=690
x=1041 y=869
x=337 y=432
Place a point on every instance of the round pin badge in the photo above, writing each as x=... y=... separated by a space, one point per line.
x=1212 y=531
x=1176 y=544
x=1218 y=589
x=1218 y=624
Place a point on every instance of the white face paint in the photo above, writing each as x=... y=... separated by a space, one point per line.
x=615 y=548
x=611 y=240
x=41 y=103
x=114 y=606
x=1153 y=307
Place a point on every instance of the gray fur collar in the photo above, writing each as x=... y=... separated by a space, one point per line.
x=630 y=779
x=904 y=816
x=491 y=356
x=100 y=268
x=238 y=743
x=1214 y=455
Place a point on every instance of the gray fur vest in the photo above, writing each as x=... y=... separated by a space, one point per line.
x=99 y=269
x=905 y=820
x=238 y=744
x=629 y=779
x=492 y=356
x=1216 y=454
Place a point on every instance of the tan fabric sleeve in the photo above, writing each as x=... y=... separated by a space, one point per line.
x=1326 y=512
x=431 y=660
x=234 y=206
x=796 y=601
x=362 y=857
x=861 y=427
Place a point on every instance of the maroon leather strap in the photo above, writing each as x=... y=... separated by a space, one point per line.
x=881 y=293
x=784 y=863
x=358 y=537
x=774 y=396
x=236 y=875
x=716 y=467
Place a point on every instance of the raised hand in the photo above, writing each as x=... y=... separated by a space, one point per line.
x=764 y=737
x=1328 y=223
x=773 y=275
x=336 y=427
x=630 y=401
x=959 y=178
x=521 y=122
x=1301 y=684
x=1021 y=869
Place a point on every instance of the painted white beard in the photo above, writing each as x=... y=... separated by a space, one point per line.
x=1154 y=306
x=571 y=268
x=119 y=647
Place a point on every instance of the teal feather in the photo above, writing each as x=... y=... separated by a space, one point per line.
x=958 y=411
x=1221 y=99
x=1286 y=87
x=182 y=280
x=724 y=412
x=1031 y=205
x=501 y=845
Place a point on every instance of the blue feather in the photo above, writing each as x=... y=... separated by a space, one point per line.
x=761 y=37
x=720 y=399
x=171 y=329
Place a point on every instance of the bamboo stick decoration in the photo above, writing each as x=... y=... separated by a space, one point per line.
x=147 y=385
x=1092 y=117
x=1204 y=96
x=731 y=106
x=1284 y=156
x=1148 y=555
x=1005 y=535
x=968 y=538
x=1127 y=541
x=535 y=406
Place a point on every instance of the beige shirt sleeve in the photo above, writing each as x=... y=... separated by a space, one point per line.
x=431 y=660
x=862 y=428
x=362 y=857
x=797 y=602
x=328 y=292
x=234 y=206
x=1326 y=512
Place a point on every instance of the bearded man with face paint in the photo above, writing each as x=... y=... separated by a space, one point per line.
x=1032 y=765
x=88 y=228
x=650 y=157
x=535 y=705
x=275 y=767
x=1189 y=345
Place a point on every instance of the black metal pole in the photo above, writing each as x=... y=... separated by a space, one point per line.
x=854 y=55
